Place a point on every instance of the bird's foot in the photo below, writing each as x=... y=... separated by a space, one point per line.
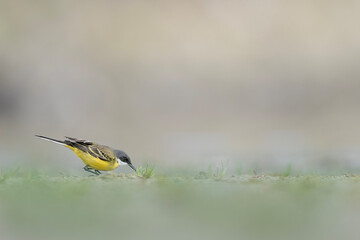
x=93 y=171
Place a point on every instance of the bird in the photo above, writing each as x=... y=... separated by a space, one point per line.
x=95 y=156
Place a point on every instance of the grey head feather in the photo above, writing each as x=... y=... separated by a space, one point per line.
x=122 y=156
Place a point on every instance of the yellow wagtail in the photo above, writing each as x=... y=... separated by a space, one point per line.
x=95 y=156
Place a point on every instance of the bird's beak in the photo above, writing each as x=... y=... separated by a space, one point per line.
x=132 y=166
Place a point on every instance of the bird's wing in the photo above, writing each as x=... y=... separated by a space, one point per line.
x=103 y=152
x=99 y=151
x=80 y=141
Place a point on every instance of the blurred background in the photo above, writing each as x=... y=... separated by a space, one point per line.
x=182 y=83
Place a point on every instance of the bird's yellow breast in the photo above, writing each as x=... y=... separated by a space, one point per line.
x=94 y=162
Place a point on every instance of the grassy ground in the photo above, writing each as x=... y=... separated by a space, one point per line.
x=204 y=206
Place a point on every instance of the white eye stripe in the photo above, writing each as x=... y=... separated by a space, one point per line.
x=120 y=162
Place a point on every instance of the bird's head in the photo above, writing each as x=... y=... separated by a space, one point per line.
x=123 y=159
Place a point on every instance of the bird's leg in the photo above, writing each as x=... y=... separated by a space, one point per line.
x=89 y=169
x=97 y=172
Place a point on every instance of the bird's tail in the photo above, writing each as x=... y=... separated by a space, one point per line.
x=51 y=140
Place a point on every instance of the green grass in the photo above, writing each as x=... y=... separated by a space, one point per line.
x=213 y=205
x=145 y=172
x=286 y=172
x=8 y=174
x=218 y=174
